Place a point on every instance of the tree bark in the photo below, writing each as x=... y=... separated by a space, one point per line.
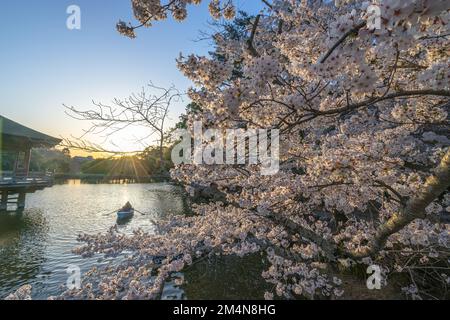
x=414 y=208
x=161 y=152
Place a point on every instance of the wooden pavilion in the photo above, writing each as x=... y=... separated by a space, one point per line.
x=17 y=141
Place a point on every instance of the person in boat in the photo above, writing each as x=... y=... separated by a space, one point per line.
x=127 y=207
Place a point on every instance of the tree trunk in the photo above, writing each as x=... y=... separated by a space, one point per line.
x=161 y=152
x=414 y=208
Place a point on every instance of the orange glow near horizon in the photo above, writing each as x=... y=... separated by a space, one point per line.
x=96 y=155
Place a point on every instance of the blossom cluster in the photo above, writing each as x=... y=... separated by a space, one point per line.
x=148 y=11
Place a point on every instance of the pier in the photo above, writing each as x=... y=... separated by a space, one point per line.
x=16 y=142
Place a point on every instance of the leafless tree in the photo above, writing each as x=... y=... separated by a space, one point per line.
x=149 y=109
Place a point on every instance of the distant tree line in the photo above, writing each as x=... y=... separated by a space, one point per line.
x=151 y=160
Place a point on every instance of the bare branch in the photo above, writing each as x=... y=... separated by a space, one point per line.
x=148 y=109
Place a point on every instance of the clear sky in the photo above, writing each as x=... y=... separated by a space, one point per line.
x=43 y=64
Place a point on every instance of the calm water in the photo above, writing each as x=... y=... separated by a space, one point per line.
x=35 y=246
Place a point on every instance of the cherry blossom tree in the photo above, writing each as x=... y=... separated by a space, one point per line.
x=364 y=172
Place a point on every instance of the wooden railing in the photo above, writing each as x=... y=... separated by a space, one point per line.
x=8 y=178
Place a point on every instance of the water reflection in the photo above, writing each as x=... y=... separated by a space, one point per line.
x=23 y=237
x=35 y=246
x=123 y=222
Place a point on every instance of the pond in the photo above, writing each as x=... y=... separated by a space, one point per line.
x=36 y=245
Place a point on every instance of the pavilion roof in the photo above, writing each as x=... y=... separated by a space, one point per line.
x=13 y=132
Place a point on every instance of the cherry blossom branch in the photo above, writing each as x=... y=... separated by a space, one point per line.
x=328 y=248
x=372 y=101
x=413 y=209
x=395 y=192
x=267 y=3
x=434 y=186
x=251 y=48
x=342 y=39
x=162 y=9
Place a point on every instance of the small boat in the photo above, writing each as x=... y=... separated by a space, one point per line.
x=125 y=214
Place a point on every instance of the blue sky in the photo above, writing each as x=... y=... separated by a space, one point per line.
x=43 y=64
